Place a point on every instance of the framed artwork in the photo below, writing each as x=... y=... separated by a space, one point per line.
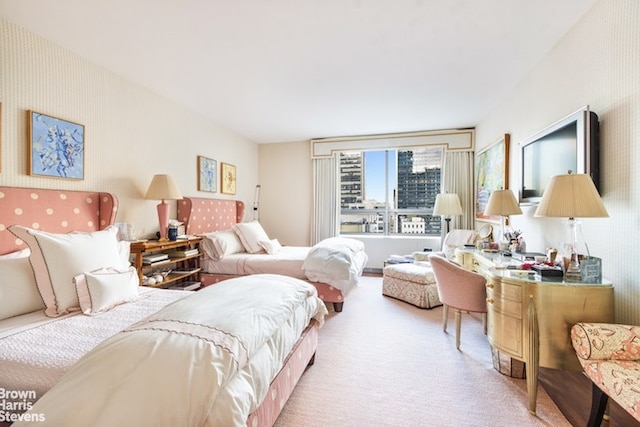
x=492 y=173
x=207 y=174
x=228 y=178
x=56 y=147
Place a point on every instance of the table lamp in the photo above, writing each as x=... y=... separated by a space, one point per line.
x=163 y=187
x=572 y=196
x=447 y=205
x=503 y=203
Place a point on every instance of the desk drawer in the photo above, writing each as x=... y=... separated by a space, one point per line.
x=505 y=333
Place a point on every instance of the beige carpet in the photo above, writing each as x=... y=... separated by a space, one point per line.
x=382 y=362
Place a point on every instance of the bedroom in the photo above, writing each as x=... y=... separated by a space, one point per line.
x=595 y=64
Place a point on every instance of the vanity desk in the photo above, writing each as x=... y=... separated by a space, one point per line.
x=529 y=318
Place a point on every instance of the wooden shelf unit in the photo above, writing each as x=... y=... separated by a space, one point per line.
x=189 y=266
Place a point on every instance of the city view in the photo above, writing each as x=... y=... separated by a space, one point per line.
x=390 y=192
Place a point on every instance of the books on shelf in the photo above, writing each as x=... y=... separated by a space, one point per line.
x=153 y=258
x=186 y=286
x=182 y=253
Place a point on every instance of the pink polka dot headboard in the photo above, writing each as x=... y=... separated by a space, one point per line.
x=56 y=211
x=201 y=215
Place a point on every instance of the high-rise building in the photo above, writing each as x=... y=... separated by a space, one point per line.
x=351 y=179
x=418 y=178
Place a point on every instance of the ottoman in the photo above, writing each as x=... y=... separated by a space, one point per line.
x=411 y=283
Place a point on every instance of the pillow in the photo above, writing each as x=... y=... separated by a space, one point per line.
x=57 y=258
x=250 y=234
x=271 y=246
x=220 y=243
x=103 y=289
x=18 y=288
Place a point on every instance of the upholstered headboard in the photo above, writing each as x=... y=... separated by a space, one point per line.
x=201 y=215
x=56 y=211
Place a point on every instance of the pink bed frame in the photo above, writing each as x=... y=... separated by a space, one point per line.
x=201 y=215
x=60 y=211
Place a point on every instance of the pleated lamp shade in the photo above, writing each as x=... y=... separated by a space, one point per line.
x=502 y=202
x=571 y=196
x=163 y=187
x=447 y=204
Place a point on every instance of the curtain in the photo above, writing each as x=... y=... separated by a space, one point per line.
x=326 y=203
x=458 y=177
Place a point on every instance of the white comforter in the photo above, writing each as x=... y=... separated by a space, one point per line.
x=190 y=363
x=338 y=261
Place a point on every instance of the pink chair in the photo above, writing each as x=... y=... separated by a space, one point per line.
x=460 y=289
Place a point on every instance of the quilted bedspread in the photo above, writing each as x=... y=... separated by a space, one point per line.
x=175 y=367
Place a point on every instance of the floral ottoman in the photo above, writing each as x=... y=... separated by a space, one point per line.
x=411 y=283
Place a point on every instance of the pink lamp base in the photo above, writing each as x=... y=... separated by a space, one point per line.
x=163 y=219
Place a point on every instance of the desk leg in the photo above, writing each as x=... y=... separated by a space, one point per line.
x=533 y=362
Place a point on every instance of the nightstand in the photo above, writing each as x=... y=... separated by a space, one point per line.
x=183 y=258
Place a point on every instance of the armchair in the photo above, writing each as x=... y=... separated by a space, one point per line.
x=610 y=357
x=459 y=289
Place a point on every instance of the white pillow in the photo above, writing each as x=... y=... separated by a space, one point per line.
x=57 y=258
x=271 y=246
x=220 y=243
x=103 y=289
x=251 y=234
x=18 y=290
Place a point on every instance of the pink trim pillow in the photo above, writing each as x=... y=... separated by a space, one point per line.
x=103 y=289
x=57 y=258
x=220 y=243
x=18 y=290
x=271 y=246
x=251 y=234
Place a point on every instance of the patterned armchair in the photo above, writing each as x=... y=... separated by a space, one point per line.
x=610 y=356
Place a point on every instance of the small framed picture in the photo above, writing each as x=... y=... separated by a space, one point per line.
x=207 y=174
x=56 y=147
x=228 y=178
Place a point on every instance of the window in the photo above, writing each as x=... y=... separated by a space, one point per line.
x=390 y=192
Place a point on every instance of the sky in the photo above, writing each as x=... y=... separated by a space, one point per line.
x=375 y=174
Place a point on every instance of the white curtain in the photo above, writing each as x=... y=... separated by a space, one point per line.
x=458 y=177
x=326 y=203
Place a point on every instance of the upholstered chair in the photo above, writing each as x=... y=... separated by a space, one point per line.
x=460 y=289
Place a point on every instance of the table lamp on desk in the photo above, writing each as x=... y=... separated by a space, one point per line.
x=163 y=187
x=503 y=203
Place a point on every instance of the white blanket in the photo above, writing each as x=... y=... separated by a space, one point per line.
x=338 y=261
x=173 y=367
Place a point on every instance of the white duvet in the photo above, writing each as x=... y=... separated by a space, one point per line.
x=337 y=261
x=205 y=360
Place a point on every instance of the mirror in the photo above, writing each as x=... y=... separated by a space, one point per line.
x=485 y=231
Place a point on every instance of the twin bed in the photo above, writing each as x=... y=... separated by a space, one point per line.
x=81 y=345
x=332 y=266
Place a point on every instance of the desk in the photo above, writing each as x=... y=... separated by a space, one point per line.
x=530 y=319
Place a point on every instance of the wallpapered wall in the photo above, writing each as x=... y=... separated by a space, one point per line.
x=130 y=133
x=597 y=63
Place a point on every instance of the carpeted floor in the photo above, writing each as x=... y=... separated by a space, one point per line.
x=382 y=362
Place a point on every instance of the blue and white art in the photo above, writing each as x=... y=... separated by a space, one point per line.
x=57 y=147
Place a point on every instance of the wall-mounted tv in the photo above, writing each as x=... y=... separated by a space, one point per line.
x=569 y=144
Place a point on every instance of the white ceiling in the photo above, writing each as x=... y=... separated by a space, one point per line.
x=289 y=70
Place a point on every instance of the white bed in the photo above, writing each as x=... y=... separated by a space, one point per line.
x=82 y=344
x=235 y=248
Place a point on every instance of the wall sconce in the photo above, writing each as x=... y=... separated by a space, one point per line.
x=163 y=187
x=256 y=203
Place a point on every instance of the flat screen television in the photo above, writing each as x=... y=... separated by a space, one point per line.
x=569 y=144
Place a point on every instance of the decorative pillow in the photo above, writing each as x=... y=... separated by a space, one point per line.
x=57 y=258
x=18 y=288
x=251 y=234
x=271 y=246
x=220 y=243
x=103 y=289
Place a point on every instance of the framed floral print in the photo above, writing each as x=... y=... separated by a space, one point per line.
x=227 y=178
